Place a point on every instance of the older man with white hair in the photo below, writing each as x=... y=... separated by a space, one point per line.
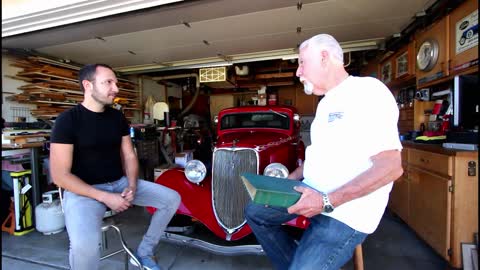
x=351 y=164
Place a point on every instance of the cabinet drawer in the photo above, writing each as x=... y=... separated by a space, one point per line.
x=404 y=155
x=441 y=164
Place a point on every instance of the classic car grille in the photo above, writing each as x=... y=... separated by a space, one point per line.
x=229 y=194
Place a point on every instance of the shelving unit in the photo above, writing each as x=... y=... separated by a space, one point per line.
x=53 y=87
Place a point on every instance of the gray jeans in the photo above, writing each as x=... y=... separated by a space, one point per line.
x=83 y=219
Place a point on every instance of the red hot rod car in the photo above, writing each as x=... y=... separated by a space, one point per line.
x=255 y=139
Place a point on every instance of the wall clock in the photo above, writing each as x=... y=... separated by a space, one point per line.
x=427 y=55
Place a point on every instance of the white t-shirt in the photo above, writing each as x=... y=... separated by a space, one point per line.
x=354 y=121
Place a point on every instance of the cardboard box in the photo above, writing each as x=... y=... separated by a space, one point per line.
x=182 y=158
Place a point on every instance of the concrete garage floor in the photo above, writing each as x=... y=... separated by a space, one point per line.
x=393 y=246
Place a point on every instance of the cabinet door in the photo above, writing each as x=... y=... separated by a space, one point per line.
x=430 y=208
x=306 y=104
x=220 y=102
x=399 y=201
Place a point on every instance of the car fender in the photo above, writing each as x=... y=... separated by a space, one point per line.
x=196 y=202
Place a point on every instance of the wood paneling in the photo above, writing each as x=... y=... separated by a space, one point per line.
x=437 y=31
x=464 y=57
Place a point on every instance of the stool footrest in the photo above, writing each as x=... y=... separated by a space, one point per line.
x=124 y=248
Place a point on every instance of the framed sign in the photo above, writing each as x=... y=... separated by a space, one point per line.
x=387 y=72
x=401 y=65
x=466 y=33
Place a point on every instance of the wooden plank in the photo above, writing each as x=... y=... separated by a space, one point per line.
x=53 y=62
x=275 y=75
x=26 y=145
x=40 y=75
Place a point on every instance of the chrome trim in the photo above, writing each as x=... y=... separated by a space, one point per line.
x=213 y=248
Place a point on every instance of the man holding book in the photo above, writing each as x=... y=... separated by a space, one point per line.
x=351 y=164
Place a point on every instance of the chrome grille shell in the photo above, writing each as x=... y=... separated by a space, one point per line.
x=229 y=196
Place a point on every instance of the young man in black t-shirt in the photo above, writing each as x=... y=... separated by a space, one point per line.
x=92 y=158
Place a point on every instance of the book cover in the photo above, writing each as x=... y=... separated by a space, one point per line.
x=271 y=190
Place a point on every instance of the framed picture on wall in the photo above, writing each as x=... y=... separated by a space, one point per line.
x=402 y=64
x=387 y=72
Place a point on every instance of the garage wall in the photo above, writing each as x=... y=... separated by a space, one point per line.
x=12 y=109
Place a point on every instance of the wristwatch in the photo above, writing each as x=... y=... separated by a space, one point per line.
x=327 y=205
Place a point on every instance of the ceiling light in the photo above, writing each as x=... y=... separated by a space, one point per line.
x=289 y=57
x=420 y=13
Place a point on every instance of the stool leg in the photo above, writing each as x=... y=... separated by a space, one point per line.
x=104 y=241
x=358 y=258
x=126 y=249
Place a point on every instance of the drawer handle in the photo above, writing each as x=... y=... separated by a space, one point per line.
x=424 y=160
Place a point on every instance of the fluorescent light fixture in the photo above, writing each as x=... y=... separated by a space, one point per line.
x=284 y=54
x=290 y=57
x=20 y=17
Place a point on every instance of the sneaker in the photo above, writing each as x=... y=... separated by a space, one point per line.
x=148 y=262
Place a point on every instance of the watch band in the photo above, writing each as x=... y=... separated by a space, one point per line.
x=327 y=205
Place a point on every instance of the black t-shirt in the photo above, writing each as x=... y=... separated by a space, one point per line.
x=96 y=139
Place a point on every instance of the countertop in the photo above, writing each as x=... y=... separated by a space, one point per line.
x=436 y=148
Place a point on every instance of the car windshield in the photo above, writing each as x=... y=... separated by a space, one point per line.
x=255 y=120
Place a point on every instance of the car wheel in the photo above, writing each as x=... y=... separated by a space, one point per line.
x=462 y=41
x=470 y=34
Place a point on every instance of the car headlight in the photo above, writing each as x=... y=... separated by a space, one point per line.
x=276 y=170
x=195 y=171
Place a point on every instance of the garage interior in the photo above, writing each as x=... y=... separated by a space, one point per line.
x=247 y=52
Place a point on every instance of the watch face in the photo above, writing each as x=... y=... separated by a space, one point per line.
x=427 y=55
x=328 y=208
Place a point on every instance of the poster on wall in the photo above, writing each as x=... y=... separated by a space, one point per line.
x=466 y=32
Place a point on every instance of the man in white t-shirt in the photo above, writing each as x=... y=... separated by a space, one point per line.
x=351 y=164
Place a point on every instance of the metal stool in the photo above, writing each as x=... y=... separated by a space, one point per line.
x=110 y=224
x=107 y=225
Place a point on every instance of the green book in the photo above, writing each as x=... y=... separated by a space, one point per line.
x=272 y=191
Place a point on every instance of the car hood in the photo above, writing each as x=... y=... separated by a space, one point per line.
x=252 y=139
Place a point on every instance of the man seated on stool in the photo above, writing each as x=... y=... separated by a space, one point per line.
x=352 y=161
x=92 y=158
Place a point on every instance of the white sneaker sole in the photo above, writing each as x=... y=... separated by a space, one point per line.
x=133 y=262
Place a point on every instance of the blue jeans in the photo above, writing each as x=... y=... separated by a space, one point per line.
x=327 y=244
x=83 y=219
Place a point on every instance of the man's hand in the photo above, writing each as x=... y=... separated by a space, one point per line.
x=309 y=204
x=115 y=201
x=129 y=193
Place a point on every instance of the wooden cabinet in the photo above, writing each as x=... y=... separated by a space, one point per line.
x=437 y=33
x=463 y=40
x=294 y=96
x=400 y=194
x=397 y=70
x=430 y=208
x=411 y=117
x=438 y=197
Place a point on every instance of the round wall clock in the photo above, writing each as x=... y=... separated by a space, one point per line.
x=427 y=55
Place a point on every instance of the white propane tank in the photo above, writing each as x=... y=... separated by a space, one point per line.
x=49 y=217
